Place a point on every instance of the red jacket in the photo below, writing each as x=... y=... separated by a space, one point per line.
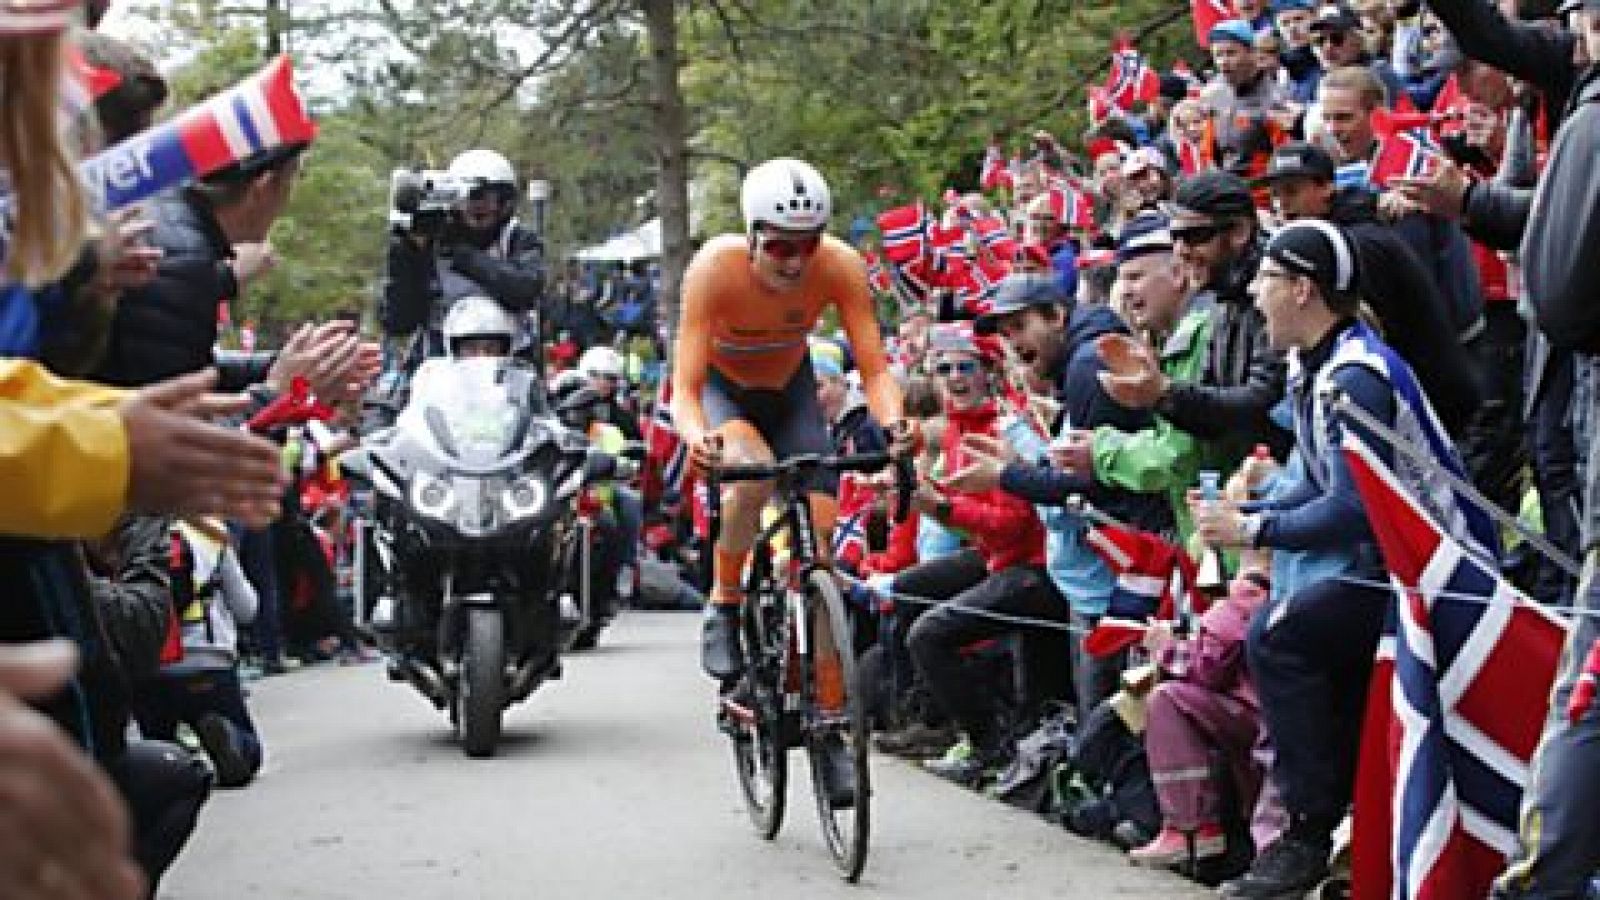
x=1003 y=526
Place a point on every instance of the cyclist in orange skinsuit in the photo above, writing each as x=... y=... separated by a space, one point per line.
x=742 y=388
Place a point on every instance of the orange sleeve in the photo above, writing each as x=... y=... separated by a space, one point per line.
x=691 y=355
x=860 y=321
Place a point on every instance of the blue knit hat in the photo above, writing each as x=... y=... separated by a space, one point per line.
x=1236 y=30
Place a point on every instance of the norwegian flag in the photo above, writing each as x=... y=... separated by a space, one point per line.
x=977 y=287
x=260 y=113
x=1152 y=575
x=1072 y=207
x=1206 y=15
x=850 y=535
x=905 y=232
x=1457 y=704
x=948 y=248
x=1403 y=154
x=666 y=455
x=1131 y=80
x=1101 y=106
x=912 y=281
x=1192 y=158
x=998 y=173
x=994 y=236
x=878 y=275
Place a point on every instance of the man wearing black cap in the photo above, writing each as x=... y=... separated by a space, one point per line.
x=1337 y=41
x=1395 y=284
x=1311 y=649
x=1217 y=238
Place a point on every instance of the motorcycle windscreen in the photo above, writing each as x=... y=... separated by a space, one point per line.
x=467 y=409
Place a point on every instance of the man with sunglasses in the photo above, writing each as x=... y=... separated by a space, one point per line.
x=1217 y=239
x=743 y=388
x=1337 y=40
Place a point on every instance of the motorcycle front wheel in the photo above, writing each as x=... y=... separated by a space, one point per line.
x=480 y=696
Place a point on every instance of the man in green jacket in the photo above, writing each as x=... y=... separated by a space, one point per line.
x=1156 y=300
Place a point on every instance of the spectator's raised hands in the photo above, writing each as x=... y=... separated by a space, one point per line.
x=1440 y=194
x=64 y=832
x=1133 y=376
x=333 y=358
x=182 y=464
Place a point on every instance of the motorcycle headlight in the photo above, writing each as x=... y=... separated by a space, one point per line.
x=433 y=497
x=525 y=498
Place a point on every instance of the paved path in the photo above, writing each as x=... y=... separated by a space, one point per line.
x=610 y=783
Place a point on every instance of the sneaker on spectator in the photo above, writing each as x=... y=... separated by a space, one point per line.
x=217 y=737
x=1286 y=870
x=1172 y=847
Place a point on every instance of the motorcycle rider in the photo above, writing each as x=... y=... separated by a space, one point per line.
x=578 y=405
x=603 y=368
x=481 y=249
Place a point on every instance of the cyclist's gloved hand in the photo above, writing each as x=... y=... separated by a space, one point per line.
x=905 y=438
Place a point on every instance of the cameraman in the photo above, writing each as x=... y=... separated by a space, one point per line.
x=477 y=240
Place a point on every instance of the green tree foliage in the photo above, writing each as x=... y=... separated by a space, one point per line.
x=892 y=98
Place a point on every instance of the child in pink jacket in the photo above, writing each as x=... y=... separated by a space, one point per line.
x=1204 y=707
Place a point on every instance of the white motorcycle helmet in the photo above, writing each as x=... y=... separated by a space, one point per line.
x=478 y=318
x=484 y=167
x=785 y=193
x=601 y=361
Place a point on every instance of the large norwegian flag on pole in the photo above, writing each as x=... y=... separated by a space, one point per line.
x=1456 y=706
x=260 y=113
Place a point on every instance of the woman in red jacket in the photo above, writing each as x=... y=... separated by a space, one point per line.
x=1000 y=571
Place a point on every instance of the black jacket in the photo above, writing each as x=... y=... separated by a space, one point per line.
x=1561 y=248
x=616 y=414
x=510 y=270
x=1410 y=309
x=1244 y=377
x=169 y=327
x=1536 y=52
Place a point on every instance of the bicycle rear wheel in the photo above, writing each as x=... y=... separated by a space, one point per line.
x=753 y=720
x=831 y=726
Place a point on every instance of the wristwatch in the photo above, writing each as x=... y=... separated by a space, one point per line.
x=1250 y=528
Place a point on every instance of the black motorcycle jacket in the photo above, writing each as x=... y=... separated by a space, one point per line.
x=510 y=269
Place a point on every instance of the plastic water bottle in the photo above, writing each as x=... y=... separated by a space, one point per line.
x=1212 y=577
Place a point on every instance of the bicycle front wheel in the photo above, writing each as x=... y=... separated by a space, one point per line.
x=753 y=718
x=837 y=732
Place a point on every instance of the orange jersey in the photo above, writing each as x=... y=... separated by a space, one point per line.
x=756 y=336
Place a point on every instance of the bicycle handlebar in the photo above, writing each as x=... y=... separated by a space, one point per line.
x=904 y=476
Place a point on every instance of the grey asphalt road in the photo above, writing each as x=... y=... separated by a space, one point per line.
x=610 y=783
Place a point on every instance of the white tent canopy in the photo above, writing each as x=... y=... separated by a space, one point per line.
x=643 y=242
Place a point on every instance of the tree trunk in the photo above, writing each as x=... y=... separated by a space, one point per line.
x=671 y=128
x=275 y=23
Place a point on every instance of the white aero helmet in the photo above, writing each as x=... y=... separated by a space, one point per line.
x=600 y=360
x=785 y=193
x=484 y=166
x=477 y=316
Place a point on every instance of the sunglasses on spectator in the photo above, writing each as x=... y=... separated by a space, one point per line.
x=959 y=367
x=1328 y=38
x=1198 y=234
x=789 y=247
